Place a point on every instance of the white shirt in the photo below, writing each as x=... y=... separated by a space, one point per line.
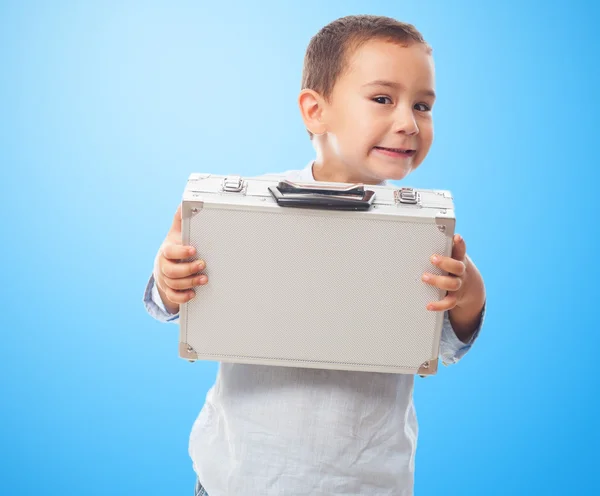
x=268 y=430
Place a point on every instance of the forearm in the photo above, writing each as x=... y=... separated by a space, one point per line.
x=169 y=305
x=465 y=318
x=465 y=321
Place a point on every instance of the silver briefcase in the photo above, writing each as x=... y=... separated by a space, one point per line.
x=319 y=275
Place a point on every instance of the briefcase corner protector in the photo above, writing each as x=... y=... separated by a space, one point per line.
x=445 y=224
x=190 y=208
x=186 y=351
x=428 y=368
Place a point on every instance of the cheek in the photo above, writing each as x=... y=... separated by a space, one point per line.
x=357 y=119
x=426 y=128
x=425 y=141
x=428 y=139
x=426 y=132
x=355 y=131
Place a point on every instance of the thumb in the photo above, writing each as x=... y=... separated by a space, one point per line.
x=176 y=226
x=459 y=248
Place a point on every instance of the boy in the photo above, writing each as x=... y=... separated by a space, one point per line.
x=366 y=100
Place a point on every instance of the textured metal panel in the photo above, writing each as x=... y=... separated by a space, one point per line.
x=314 y=290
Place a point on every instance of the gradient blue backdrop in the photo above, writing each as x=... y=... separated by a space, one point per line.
x=106 y=108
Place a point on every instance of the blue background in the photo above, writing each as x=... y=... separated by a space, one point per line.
x=106 y=108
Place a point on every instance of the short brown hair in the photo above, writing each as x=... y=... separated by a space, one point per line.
x=328 y=51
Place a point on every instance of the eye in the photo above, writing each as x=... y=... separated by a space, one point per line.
x=422 y=107
x=382 y=99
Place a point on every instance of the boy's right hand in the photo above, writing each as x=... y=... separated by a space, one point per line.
x=174 y=278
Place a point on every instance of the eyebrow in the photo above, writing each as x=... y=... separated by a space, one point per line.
x=391 y=84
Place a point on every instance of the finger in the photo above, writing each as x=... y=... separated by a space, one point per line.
x=186 y=282
x=179 y=297
x=176 y=270
x=450 y=265
x=459 y=248
x=176 y=226
x=173 y=251
x=448 y=283
x=448 y=303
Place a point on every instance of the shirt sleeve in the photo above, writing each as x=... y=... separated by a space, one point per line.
x=453 y=349
x=154 y=305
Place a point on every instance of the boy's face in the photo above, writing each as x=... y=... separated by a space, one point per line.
x=378 y=121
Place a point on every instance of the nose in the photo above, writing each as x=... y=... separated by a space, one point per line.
x=405 y=122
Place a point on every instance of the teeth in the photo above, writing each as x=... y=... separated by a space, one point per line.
x=398 y=150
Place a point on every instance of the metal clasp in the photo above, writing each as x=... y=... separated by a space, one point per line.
x=233 y=184
x=406 y=195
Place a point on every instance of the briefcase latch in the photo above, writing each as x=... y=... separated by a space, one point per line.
x=406 y=195
x=233 y=184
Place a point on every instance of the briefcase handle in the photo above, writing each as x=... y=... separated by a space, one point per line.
x=318 y=196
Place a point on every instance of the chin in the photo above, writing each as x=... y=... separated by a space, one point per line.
x=382 y=170
x=393 y=173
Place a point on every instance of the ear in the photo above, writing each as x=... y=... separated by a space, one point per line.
x=312 y=107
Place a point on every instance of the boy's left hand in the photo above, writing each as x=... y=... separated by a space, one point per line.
x=466 y=291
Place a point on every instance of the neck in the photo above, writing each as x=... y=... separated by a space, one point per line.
x=331 y=169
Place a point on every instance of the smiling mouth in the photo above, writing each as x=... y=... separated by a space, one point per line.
x=396 y=152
